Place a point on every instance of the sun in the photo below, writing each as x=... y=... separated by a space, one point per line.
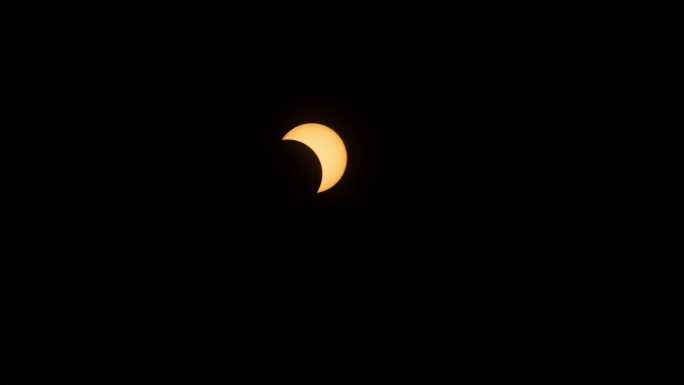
x=328 y=147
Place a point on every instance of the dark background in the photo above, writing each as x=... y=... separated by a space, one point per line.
x=184 y=139
x=183 y=194
x=177 y=128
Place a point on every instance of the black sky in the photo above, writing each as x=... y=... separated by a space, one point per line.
x=188 y=158
x=430 y=130
x=173 y=196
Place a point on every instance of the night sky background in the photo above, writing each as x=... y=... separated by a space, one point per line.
x=199 y=164
x=195 y=199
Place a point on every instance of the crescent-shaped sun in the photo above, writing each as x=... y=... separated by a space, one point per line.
x=328 y=147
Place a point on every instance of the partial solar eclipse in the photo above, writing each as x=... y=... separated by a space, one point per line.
x=328 y=147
